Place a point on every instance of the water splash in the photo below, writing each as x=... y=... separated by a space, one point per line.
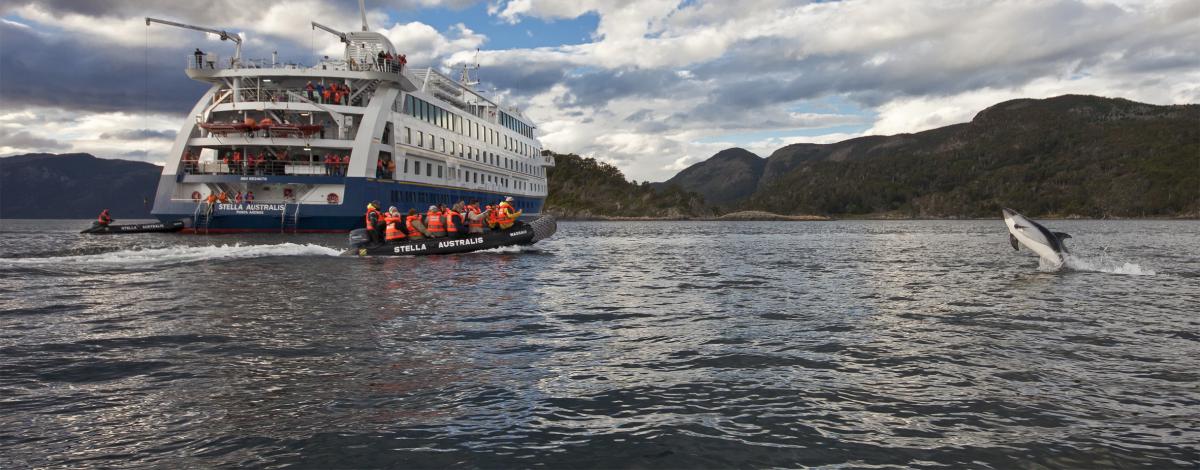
x=176 y=255
x=1105 y=265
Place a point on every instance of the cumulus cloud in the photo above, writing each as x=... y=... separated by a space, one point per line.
x=661 y=83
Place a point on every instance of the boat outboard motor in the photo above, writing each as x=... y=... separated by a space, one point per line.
x=359 y=238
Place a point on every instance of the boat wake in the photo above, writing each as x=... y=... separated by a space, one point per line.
x=1104 y=265
x=175 y=255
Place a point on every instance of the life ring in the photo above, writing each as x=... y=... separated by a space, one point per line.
x=332 y=198
x=196 y=195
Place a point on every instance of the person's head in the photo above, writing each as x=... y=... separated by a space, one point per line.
x=433 y=208
x=393 y=210
x=508 y=199
x=412 y=212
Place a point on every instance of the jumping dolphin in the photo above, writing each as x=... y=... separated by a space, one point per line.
x=1047 y=244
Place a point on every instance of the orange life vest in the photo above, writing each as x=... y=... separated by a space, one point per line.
x=474 y=223
x=104 y=218
x=378 y=216
x=412 y=231
x=504 y=215
x=394 y=232
x=433 y=222
x=448 y=217
x=493 y=217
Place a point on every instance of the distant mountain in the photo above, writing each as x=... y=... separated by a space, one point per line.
x=584 y=188
x=727 y=177
x=75 y=186
x=1064 y=156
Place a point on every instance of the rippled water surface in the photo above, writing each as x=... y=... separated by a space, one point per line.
x=655 y=345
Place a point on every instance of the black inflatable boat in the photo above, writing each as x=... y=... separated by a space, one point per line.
x=524 y=234
x=157 y=227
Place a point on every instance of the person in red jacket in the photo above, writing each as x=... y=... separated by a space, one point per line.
x=104 y=219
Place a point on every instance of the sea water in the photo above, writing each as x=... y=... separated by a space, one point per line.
x=613 y=344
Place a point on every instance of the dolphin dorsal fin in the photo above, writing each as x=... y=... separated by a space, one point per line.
x=1062 y=235
x=1013 y=240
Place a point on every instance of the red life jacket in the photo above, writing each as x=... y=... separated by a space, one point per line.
x=412 y=231
x=104 y=218
x=433 y=222
x=378 y=216
x=393 y=232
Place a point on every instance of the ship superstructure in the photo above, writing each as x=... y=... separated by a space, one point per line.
x=307 y=147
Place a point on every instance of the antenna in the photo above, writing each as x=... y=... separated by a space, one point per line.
x=465 y=77
x=362 y=10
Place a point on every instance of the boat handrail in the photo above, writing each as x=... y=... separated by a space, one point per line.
x=212 y=61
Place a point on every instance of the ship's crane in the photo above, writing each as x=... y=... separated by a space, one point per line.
x=237 y=53
x=339 y=34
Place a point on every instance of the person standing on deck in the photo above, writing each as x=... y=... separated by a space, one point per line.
x=104 y=219
x=309 y=88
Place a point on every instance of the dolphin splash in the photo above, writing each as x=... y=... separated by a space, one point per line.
x=1039 y=239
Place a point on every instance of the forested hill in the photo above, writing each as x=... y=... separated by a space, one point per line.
x=75 y=186
x=583 y=188
x=1070 y=155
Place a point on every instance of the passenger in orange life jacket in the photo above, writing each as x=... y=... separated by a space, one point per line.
x=491 y=217
x=434 y=222
x=104 y=219
x=454 y=220
x=476 y=219
x=374 y=222
x=223 y=198
x=416 y=228
x=395 y=225
x=237 y=198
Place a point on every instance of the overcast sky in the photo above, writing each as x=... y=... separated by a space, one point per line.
x=649 y=85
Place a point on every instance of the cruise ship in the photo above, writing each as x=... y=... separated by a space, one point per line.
x=408 y=138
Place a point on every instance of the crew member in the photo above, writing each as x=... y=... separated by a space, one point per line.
x=434 y=222
x=223 y=198
x=395 y=228
x=104 y=219
x=506 y=216
x=249 y=197
x=374 y=221
x=416 y=228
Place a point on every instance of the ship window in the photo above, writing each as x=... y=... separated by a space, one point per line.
x=439 y=171
x=443 y=145
x=406 y=166
x=429 y=169
x=420 y=139
x=408 y=135
x=416 y=168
